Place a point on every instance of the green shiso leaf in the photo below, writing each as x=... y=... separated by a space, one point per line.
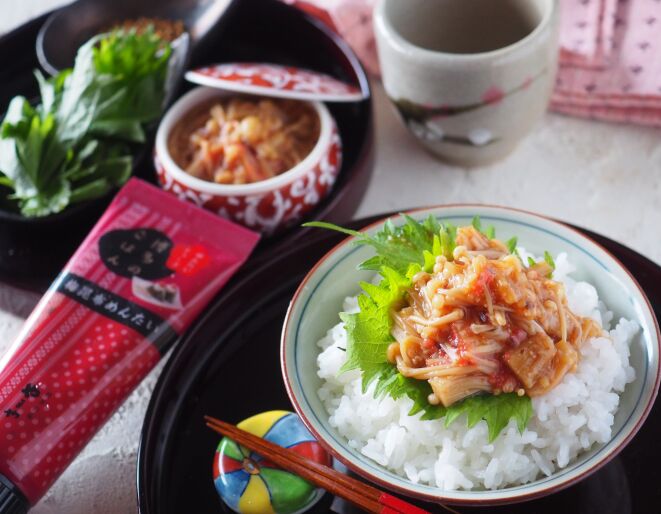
x=75 y=144
x=396 y=247
x=401 y=252
x=490 y=231
x=496 y=410
x=511 y=244
x=549 y=260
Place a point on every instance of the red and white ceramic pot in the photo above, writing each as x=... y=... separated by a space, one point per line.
x=267 y=206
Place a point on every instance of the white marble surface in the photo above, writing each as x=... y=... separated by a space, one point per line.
x=603 y=177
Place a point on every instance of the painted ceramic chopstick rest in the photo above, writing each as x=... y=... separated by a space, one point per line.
x=249 y=483
x=469 y=79
x=142 y=276
x=286 y=442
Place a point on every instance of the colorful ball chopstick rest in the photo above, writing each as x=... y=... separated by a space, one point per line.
x=250 y=484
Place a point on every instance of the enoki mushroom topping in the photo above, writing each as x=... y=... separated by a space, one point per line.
x=484 y=322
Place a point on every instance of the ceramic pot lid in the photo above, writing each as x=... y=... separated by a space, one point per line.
x=276 y=81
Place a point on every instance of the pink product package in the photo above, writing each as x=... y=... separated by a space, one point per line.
x=146 y=271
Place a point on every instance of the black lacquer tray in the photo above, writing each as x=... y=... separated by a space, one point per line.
x=228 y=366
x=32 y=252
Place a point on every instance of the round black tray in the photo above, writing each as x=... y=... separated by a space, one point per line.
x=32 y=252
x=228 y=366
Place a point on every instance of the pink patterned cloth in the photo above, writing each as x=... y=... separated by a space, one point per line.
x=352 y=19
x=610 y=55
x=610 y=65
x=586 y=32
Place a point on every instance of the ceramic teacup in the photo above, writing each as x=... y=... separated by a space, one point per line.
x=469 y=77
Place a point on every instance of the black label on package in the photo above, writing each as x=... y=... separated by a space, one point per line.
x=138 y=252
x=117 y=308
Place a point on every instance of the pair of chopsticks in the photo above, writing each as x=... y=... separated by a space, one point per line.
x=359 y=493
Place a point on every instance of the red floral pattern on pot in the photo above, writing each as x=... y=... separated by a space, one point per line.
x=273 y=210
x=275 y=80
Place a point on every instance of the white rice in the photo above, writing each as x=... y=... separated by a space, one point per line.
x=568 y=420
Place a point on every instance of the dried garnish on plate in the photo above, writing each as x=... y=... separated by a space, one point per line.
x=76 y=144
x=167 y=30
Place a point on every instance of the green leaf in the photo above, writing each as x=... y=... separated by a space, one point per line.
x=128 y=130
x=91 y=190
x=88 y=149
x=398 y=247
x=511 y=244
x=454 y=412
x=332 y=226
x=369 y=330
x=489 y=232
x=518 y=255
x=18 y=119
x=139 y=64
x=66 y=149
x=13 y=132
x=549 y=260
x=51 y=200
x=130 y=54
x=447 y=235
x=496 y=410
x=531 y=261
x=368 y=338
x=50 y=90
x=115 y=171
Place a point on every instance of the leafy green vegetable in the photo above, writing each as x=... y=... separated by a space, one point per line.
x=511 y=244
x=398 y=247
x=447 y=236
x=370 y=328
x=497 y=410
x=402 y=251
x=76 y=144
x=490 y=231
x=549 y=260
x=368 y=335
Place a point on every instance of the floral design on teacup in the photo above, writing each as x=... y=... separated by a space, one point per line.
x=433 y=132
x=426 y=131
x=426 y=122
x=481 y=137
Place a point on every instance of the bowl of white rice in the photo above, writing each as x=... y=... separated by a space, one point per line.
x=575 y=429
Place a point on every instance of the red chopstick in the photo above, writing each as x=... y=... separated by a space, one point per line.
x=359 y=493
